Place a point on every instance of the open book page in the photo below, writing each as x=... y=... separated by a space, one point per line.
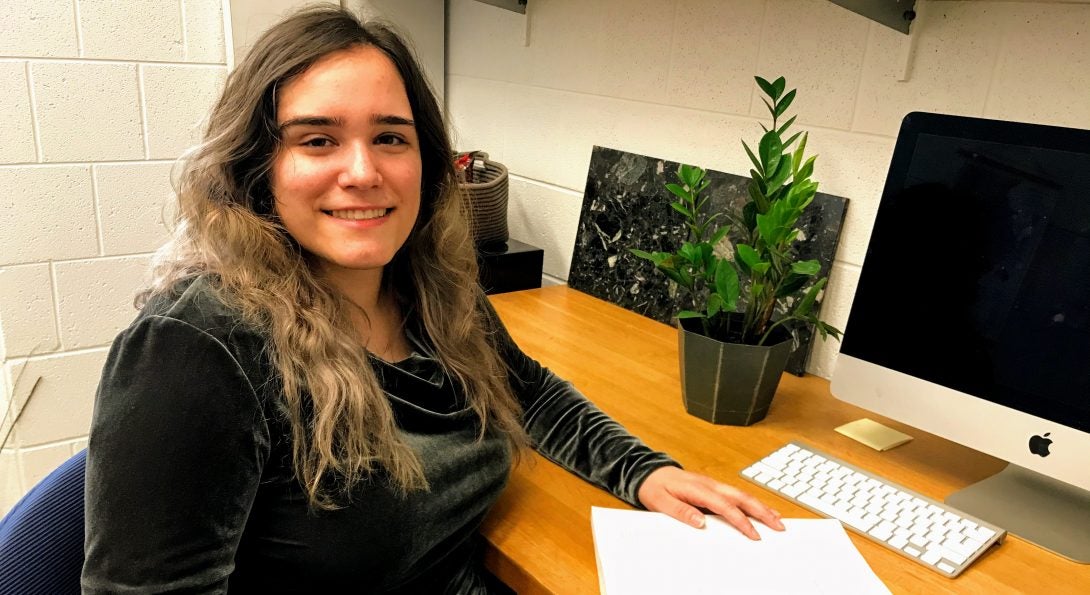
x=648 y=552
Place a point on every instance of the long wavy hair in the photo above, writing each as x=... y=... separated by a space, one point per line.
x=343 y=427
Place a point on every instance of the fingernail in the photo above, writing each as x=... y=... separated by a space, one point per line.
x=697 y=520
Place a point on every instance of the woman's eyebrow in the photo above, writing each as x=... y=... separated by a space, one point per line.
x=377 y=119
x=391 y=120
x=310 y=121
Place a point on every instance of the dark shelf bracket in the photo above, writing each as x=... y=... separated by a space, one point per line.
x=518 y=6
x=895 y=14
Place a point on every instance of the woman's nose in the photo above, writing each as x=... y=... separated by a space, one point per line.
x=360 y=168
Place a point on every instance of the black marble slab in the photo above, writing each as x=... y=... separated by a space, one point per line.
x=626 y=205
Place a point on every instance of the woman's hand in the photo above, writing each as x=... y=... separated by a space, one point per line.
x=678 y=493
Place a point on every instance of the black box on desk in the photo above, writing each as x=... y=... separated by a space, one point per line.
x=509 y=267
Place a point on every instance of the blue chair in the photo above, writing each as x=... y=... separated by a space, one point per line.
x=41 y=539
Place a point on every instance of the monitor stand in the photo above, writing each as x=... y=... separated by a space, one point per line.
x=1039 y=509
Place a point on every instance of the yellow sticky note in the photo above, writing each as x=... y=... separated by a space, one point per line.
x=874 y=434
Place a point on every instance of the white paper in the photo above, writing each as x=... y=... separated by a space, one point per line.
x=650 y=553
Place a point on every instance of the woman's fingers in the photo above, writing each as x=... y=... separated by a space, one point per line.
x=680 y=494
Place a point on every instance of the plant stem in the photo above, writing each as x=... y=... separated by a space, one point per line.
x=774 y=325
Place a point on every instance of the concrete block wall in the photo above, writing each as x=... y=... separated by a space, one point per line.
x=99 y=98
x=674 y=79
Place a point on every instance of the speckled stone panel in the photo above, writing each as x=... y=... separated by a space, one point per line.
x=626 y=205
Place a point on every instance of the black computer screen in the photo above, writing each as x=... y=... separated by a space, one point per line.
x=977 y=276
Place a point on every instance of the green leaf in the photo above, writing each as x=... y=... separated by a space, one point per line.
x=707 y=260
x=806 y=267
x=757 y=179
x=661 y=259
x=715 y=304
x=684 y=172
x=689 y=314
x=766 y=227
x=760 y=202
x=726 y=284
x=747 y=255
x=807 y=169
x=782 y=173
x=686 y=278
x=784 y=103
x=787 y=143
x=832 y=330
x=807 y=302
x=719 y=235
x=761 y=268
x=687 y=250
x=679 y=192
x=766 y=87
x=770 y=150
x=753 y=158
x=755 y=290
x=799 y=151
x=777 y=87
x=690 y=175
x=792 y=284
x=675 y=276
x=785 y=126
x=749 y=216
x=681 y=209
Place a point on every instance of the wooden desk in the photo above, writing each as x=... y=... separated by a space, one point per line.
x=539 y=535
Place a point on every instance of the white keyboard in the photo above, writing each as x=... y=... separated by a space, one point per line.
x=941 y=538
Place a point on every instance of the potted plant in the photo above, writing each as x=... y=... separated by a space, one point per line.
x=745 y=289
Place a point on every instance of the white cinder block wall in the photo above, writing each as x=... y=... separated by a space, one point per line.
x=98 y=98
x=673 y=79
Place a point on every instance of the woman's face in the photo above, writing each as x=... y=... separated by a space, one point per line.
x=346 y=179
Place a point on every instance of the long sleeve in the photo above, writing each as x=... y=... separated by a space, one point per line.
x=569 y=430
x=177 y=447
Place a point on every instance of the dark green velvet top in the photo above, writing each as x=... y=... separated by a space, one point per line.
x=189 y=480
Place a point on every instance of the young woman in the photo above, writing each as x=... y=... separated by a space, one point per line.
x=316 y=395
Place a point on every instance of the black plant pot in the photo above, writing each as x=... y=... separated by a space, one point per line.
x=728 y=383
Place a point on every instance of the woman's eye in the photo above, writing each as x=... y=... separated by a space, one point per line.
x=317 y=142
x=390 y=139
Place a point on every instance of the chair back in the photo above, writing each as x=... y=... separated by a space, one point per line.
x=41 y=538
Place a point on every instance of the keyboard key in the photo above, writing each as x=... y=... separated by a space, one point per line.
x=955 y=557
x=882 y=532
x=795 y=489
x=983 y=534
x=931 y=556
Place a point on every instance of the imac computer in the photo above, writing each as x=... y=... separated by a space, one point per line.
x=971 y=320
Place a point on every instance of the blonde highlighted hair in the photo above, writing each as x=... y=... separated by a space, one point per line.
x=343 y=427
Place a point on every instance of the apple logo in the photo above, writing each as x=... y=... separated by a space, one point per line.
x=1038 y=445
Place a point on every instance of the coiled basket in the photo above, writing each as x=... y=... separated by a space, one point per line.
x=485 y=191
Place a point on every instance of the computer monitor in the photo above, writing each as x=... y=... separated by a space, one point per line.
x=972 y=315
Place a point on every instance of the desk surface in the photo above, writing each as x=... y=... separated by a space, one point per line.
x=539 y=536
